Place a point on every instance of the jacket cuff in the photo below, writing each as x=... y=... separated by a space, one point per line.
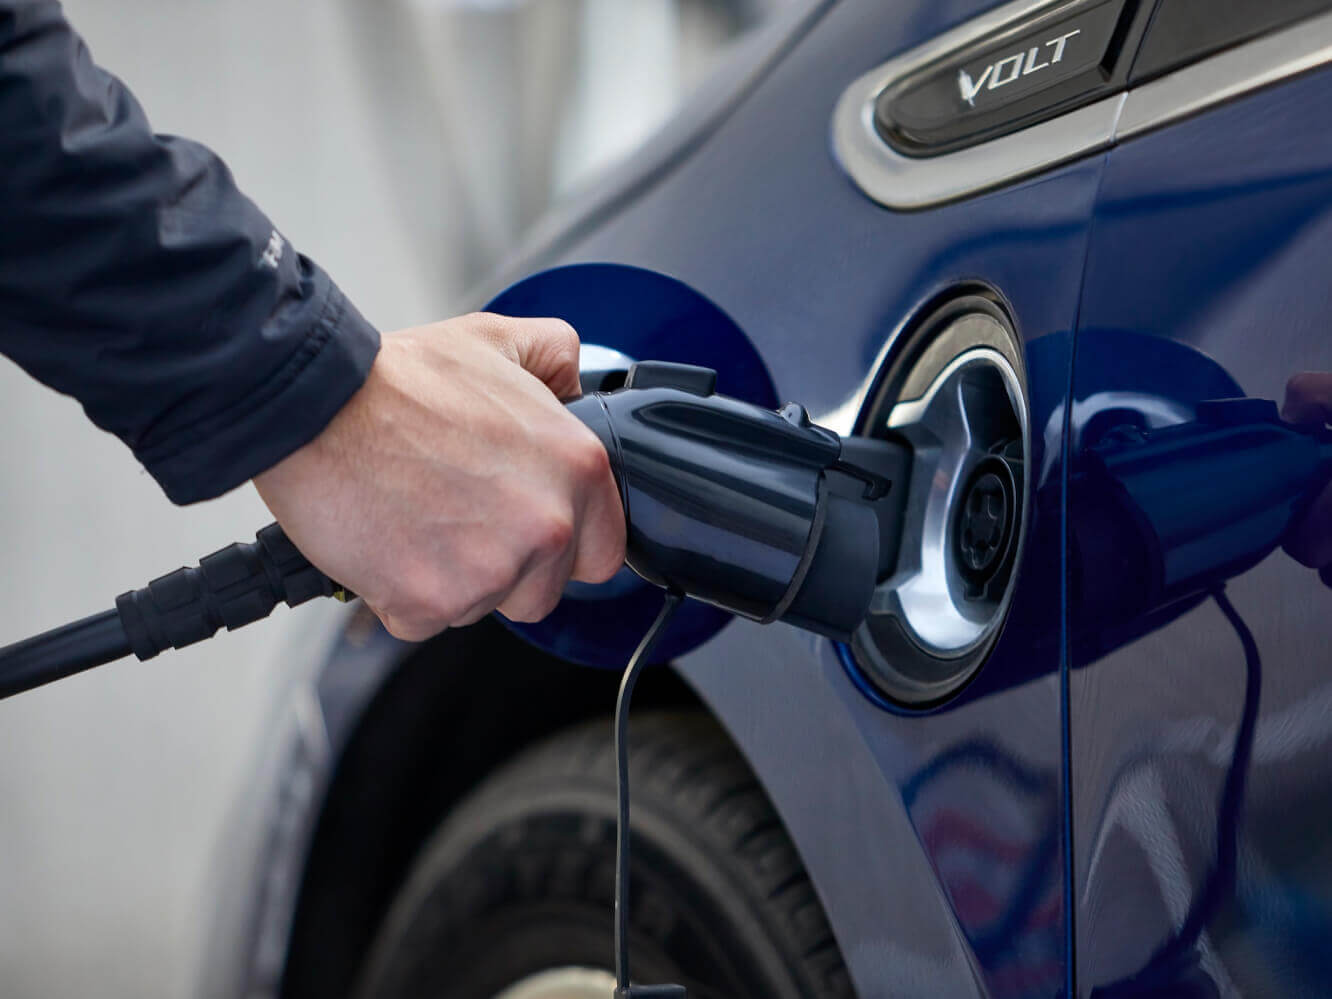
x=287 y=412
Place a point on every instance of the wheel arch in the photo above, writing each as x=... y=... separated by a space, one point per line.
x=386 y=789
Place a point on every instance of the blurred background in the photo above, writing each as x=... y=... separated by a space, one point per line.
x=405 y=144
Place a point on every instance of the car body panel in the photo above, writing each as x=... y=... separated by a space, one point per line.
x=935 y=840
x=939 y=841
x=1210 y=252
x=938 y=847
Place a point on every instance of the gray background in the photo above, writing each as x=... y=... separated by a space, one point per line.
x=404 y=146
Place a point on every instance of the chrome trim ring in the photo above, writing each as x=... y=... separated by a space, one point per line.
x=909 y=182
x=955 y=389
x=563 y=983
x=946 y=429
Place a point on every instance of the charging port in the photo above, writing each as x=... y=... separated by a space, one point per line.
x=956 y=393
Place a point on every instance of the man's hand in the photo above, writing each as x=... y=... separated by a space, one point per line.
x=455 y=482
x=1309 y=400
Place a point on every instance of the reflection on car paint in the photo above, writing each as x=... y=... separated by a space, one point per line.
x=997 y=858
x=1149 y=546
x=1210 y=249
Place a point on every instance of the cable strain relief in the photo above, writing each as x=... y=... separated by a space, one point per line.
x=145 y=641
x=230 y=588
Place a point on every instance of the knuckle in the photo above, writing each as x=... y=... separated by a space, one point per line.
x=566 y=358
x=564 y=337
x=588 y=459
x=555 y=533
x=556 y=344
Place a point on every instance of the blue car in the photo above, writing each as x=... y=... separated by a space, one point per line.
x=1078 y=254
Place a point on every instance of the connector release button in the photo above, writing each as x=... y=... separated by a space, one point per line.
x=666 y=374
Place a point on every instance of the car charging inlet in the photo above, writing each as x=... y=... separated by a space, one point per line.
x=955 y=393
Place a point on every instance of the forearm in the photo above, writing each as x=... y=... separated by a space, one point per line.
x=135 y=277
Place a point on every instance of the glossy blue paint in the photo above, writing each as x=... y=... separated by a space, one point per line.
x=1200 y=743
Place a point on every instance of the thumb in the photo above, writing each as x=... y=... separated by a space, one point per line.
x=546 y=348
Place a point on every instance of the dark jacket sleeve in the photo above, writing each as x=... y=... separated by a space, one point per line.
x=135 y=277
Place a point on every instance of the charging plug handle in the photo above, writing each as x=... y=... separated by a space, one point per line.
x=757 y=511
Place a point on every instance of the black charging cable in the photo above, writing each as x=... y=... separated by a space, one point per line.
x=641 y=657
x=229 y=589
x=1167 y=971
x=242 y=583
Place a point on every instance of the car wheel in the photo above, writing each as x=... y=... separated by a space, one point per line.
x=511 y=898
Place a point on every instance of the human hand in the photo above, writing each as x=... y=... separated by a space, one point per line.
x=455 y=482
x=1309 y=400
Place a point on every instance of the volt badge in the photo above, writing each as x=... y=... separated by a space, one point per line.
x=1065 y=55
x=1012 y=68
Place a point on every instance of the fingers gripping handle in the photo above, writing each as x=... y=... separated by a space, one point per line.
x=229 y=589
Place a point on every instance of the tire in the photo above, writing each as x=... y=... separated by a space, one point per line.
x=517 y=881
